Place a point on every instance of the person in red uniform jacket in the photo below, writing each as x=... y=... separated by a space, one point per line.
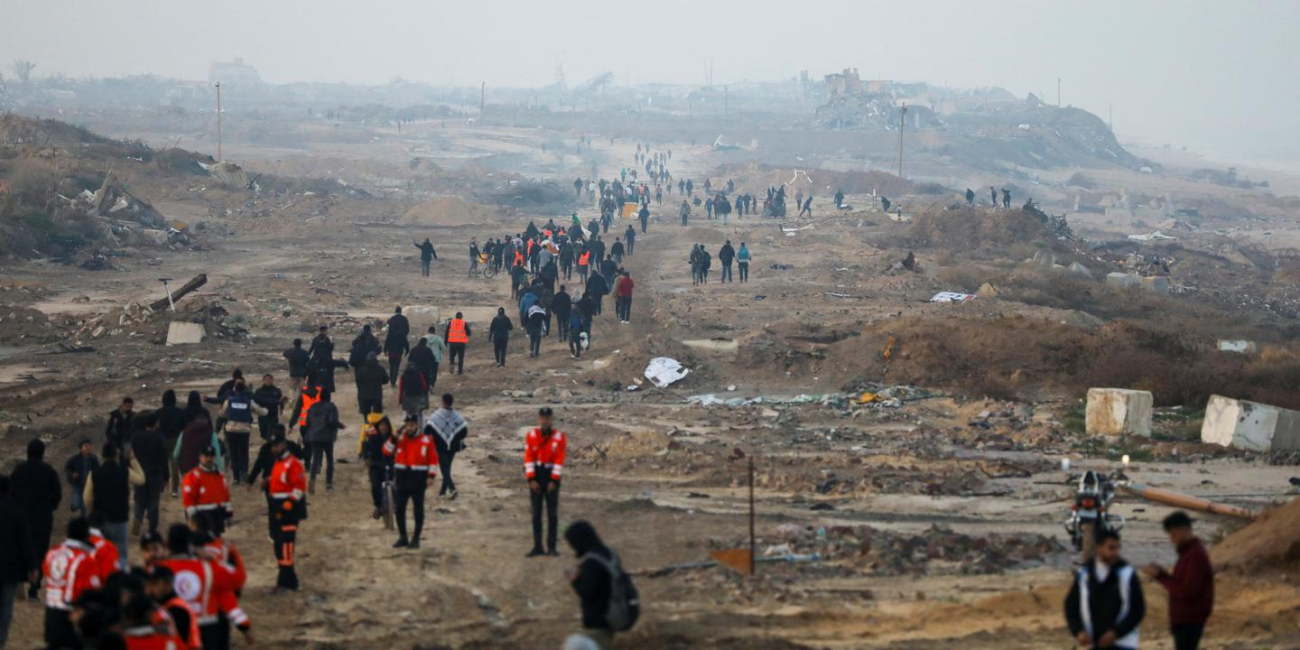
x=415 y=465
x=287 y=486
x=215 y=547
x=205 y=492
x=200 y=582
x=140 y=631
x=70 y=571
x=1190 y=585
x=543 y=464
x=159 y=586
x=106 y=555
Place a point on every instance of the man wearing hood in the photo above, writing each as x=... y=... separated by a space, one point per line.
x=371 y=379
x=591 y=580
x=449 y=430
x=150 y=450
x=499 y=332
x=34 y=486
x=363 y=345
x=415 y=465
x=396 y=344
x=171 y=422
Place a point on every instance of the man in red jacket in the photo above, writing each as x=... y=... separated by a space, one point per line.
x=1190 y=585
x=544 y=451
x=70 y=571
x=623 y=296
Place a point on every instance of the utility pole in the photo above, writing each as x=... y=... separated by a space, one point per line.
x=902 y=125
x=752 y=545
x=219 y=157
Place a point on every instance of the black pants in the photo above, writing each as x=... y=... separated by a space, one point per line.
x=623 y=308
x=567 y=269
x=562 y=325
x=499 y=344
x=59 y=631
x=377 y=476
x=215 y=635
x=284 y=524
x=535 y=341
x=265 y=425
x=1187 y=637
x=368 y=405
x=147 y=498
x=445 y=458
x=631 y=243
x=457 y=351
x=600 y=301
x=319 y=450
x=744 y=271
x=726 y=273
x=416 y=497
x=238 y=442
x=552 y=501
x=394 y=365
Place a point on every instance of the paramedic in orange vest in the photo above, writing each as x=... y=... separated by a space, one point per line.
x=70 y=571
x=310 y=394
x=160 y=586
x=200 y=582
x=543 y=464
x=584 y=264
x=415 y=465
x=457 y=337
x=205 y=492
x=288 y=488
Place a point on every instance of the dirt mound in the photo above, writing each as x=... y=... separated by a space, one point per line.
x=1270 y=542
x=451 y=211
x=970 y=228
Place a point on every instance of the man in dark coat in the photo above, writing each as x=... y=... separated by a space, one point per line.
x=18 y=562
x=370 y=379
x=150 y=450
x=35 y=487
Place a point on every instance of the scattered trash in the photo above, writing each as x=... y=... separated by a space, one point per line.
x=1238 y=346
x=951 y=296
x=665 y=371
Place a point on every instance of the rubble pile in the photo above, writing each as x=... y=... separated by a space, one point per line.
x=138 y=319
x=936 y=551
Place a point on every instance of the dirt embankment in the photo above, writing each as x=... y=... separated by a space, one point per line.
x=1270 y=543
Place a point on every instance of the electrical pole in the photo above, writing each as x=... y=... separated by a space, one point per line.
x=219 y=157
x=902 y=125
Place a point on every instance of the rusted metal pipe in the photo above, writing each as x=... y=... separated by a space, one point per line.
x=1179 y=500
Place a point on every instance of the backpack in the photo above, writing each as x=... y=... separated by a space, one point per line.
x=624 y=601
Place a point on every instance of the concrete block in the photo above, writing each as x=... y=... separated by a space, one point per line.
x=1122 y=280
x=1250 y=425
x=182 y=333
x=425 y=315
x=1239 y=346
x=1157 y=284
x=1118 y=412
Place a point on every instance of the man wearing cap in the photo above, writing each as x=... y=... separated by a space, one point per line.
x=287 y=485
x=1190 y=584
x=544 y=450
x=205 y=492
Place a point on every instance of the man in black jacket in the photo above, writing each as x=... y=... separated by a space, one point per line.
x=110 y=495
x=119 y=422
x=76 y=470
x=270 y=397
x=371 y=379
x=725 y=255
x=151 y=452
x=18 y=562
x=499 y=332
x=35 y=488
x=298 y=361
x=597 y=288
x=561 y=305
x=422 y=358
x=1105 y=604
x=171 y=422
x=396 y=344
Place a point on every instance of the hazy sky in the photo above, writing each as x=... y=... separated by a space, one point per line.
x=1221 y=77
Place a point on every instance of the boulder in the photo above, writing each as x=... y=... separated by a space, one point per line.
x=1118 y=412
x=182 y=333
x=1079 y=271
x=1157 y=284
x=1250 y=425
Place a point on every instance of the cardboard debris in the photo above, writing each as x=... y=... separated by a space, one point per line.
x=951 y=296
x=665 y=371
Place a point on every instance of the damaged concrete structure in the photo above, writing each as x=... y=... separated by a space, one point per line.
x=1118 y=412
x=183 y=333
x=1250 y=425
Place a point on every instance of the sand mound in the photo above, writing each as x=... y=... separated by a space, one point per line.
x=966 y=229
x=451 y=211
x=1270 y=542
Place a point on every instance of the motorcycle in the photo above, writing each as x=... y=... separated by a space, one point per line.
x=1090 y=514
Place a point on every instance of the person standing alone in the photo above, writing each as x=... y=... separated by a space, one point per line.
x=1190 y=584
x=544 y=452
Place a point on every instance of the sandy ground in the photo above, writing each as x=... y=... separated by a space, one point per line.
x=661 y=479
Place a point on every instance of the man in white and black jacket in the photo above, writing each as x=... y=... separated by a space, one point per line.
x=1105 y=604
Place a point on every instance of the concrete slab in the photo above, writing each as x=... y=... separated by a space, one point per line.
x=1250 y=425
x=1122 y=280
x=182 y=333
x=1158 y=284
x=1118 y=412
